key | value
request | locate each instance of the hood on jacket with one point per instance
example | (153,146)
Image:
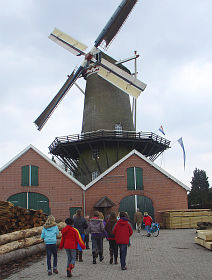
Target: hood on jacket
(50,222)
(95,220)
(67,229)
(122,221)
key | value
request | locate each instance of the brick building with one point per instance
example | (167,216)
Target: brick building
(32,180)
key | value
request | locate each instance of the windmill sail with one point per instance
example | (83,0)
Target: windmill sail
(120,78)
(67,42)
(44,116)
(116,21)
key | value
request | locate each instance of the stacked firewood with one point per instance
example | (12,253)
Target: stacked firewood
(20,244)
(14,218)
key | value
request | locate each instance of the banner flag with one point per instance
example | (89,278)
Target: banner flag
(180,141)
(161,130)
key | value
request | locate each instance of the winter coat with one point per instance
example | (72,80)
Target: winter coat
(138,217)
(109,228)
(122,231)
(80,224)
(147,220)
(96,227)
(49,234)
(70,238)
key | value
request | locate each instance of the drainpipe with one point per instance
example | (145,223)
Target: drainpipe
(83,202)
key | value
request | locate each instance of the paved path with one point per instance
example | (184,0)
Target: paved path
(171,255)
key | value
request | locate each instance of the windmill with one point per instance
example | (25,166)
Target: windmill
(108,132)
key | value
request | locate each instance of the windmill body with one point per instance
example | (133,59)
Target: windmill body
(108,132)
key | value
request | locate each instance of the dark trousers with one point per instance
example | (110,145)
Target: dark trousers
(123,254)
(113,247)
(51,249)
(87,241)
(97,246)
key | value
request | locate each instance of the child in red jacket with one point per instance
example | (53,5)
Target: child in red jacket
(122,231)
(70,239)
(147,221)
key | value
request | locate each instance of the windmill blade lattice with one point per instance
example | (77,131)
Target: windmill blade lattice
(44,116)
(116,21)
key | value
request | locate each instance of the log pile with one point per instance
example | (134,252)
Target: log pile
(22,243)
(204,238)
(174,219)
(14,218)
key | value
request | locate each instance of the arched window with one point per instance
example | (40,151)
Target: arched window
(134,178)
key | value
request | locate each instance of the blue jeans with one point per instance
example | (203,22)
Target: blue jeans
(71,256)
(147,229)
(123,254)
(51,249)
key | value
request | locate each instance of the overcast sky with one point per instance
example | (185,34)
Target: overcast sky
(173,38)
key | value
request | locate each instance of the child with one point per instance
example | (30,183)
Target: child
(70,239)
(96,228)
(113,247)
(147,221)
(49,233)
(122,232)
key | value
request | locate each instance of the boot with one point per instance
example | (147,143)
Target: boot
(94,257)
(115,260)
(77,254)
(101,258)
(68,272)
(80,256)
(111,257)
(71,267)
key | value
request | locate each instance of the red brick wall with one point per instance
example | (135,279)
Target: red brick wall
(62,192)
(164,193)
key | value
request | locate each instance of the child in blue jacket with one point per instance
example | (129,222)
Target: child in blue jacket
(49,234)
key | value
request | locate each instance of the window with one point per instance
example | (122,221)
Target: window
(29,175)
(95,153)
(118,129)
(94,175)
(135,178)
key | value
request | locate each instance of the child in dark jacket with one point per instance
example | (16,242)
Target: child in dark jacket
(122,231)
(113,247)
(70,239)
(49,234)
(80,223)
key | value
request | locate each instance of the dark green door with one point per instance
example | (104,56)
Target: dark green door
(73,211)
(39,201)
(145,205)
(19,199)
(128,204)
(36,201)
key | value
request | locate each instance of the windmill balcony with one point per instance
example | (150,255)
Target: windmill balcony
(147,143)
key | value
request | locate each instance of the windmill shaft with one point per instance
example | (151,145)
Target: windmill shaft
(115,22)
(42,119)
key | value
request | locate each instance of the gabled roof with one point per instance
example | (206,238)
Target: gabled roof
(104,202)
(134,152)
(47,159)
